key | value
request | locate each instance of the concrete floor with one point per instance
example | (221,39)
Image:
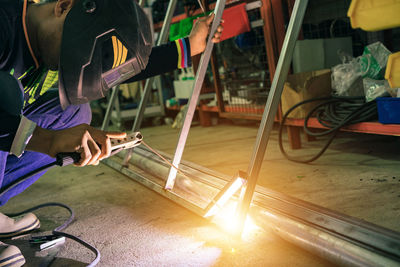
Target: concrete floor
(133,226)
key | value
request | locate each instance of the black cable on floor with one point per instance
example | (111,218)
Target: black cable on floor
(62,160)
(57,231)
(333,113)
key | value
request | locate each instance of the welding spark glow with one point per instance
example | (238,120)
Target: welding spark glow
(220,202)
(227,219)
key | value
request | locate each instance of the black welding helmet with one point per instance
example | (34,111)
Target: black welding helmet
(104,43)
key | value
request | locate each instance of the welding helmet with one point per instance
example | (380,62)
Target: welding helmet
(104,43)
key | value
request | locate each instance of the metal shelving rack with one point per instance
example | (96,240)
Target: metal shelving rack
(314,27)
(314,228)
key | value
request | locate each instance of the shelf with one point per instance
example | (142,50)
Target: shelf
(177,18)
(202,107)
(232,109)
(363,127)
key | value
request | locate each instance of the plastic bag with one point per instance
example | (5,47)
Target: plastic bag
(346,78)
(375,88)
(373,61)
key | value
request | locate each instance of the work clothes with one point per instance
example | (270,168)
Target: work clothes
(40,101)
(47,113)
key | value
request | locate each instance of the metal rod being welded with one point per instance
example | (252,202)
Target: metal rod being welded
(271,108)
(149,82)
(339,238)
(191,107)
(333,248)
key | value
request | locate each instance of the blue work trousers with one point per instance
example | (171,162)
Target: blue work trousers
(47,113)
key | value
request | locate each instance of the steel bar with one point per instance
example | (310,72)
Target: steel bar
(191,107)
(329,246)
(207,184)
(149,82)
(111,102)
(156,187)
(271,108)
(337,237)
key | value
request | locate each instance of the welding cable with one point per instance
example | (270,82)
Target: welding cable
(333,113)
(165,160)
(62,160)
(57,231)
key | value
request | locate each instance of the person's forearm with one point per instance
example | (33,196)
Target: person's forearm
(40,141)
(165,58)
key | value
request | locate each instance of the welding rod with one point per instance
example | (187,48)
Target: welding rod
(201,6)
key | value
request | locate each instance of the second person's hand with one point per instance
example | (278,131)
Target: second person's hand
(199,33)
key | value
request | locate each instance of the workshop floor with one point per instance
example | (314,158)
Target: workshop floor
(132,226)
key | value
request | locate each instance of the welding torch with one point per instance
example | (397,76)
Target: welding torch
(131,140)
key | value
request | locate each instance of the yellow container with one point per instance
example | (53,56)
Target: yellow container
(374,15)
(393,70)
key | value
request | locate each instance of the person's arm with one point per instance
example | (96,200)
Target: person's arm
(92,144)
(18,133)
(177,54)
(166,58)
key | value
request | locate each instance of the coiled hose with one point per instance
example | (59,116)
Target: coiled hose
(333,113)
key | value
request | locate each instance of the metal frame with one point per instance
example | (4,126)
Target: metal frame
(147,88)
(338,237)
(191,107)
(225,194)
(272,21)
(271,107)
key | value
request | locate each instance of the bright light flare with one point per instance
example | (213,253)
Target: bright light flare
(227,219)
(223,197)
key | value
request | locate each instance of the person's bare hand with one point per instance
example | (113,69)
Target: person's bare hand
(92,144)
(199,33)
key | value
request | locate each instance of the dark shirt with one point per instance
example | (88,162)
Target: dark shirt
(16,60)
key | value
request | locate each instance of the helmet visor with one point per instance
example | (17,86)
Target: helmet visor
(102,48)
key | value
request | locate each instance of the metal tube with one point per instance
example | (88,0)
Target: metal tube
(339,238)
(271,108)
(149,82)
(326,245)
(191,107)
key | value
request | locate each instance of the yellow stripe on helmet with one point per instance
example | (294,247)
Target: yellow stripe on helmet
(120,52)
(115,48)
(124,54)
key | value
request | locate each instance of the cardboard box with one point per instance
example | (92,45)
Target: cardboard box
(302,86)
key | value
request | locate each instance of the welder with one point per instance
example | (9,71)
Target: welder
(83,47)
